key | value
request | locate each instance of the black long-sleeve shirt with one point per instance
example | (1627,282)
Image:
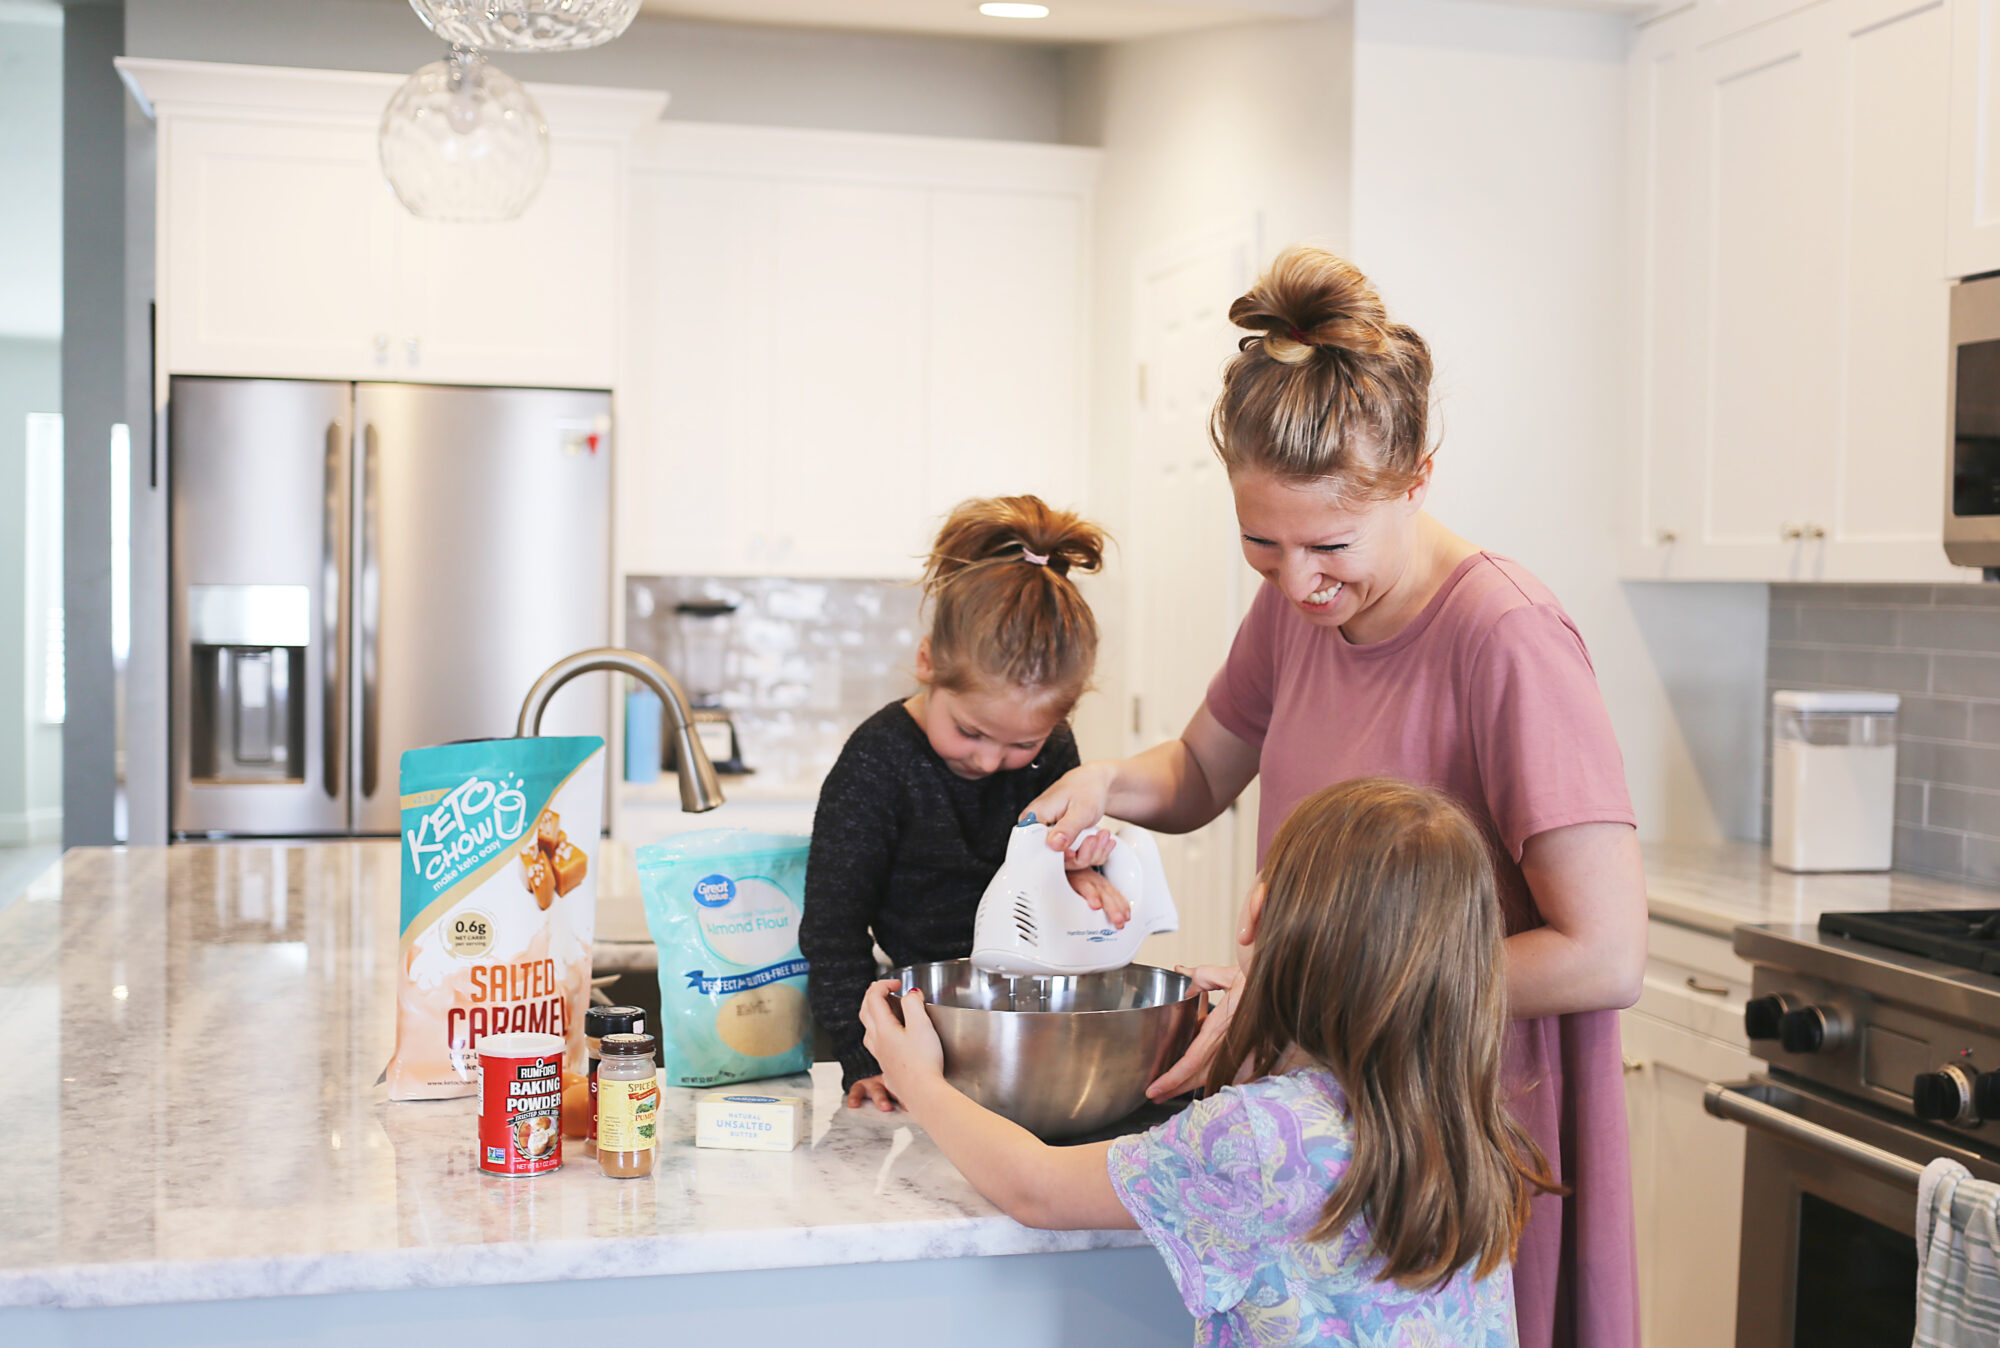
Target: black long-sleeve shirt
(902,848)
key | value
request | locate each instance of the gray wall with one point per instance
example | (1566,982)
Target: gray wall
(93,389)
(1939,646)
(715,72)
(31,173)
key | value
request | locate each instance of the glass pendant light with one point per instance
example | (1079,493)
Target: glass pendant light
(526,25)
(463,141)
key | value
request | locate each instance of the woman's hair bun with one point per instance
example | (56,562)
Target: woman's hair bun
(1312,301)
(1009,528)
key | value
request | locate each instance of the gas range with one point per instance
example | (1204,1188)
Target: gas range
(1898,1009)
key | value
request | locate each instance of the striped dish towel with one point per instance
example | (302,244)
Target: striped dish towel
(1958,1258)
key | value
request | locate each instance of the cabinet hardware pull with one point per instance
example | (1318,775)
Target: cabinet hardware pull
(1790,533)
(1695,985)
(1815,532)
(1666,536)
(1633,1065)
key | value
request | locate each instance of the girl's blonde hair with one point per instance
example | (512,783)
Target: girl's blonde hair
(1004,609)
(1326,386)
(1378,957)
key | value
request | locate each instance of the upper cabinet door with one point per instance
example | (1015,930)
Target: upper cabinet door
(281,239)
(1662,526)
(1881,498)
(1973,233)
(527,301)
(842,348)
(1005,351)
(1771,173)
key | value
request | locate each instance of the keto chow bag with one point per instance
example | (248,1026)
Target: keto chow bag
(724,906)
(499,883)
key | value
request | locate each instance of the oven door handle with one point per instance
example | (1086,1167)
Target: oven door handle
(1731,1102)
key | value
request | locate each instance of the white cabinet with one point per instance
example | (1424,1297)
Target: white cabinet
(1687,1167)
(283,253)
(1789,195)
(1973,237)
(833,338)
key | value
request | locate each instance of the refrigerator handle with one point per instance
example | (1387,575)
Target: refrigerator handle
(333,710)
(371,605)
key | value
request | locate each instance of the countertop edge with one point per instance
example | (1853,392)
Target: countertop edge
(153,1282)
(1691,915)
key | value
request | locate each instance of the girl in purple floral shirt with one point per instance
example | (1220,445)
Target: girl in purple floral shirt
(1352,1176)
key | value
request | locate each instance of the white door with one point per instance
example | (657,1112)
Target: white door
(1771,262)
(1973,234)
(1687,1180)
(282,256)
(527,301)
(1005,360)
(844,335)
(1879,497)
(700,363)
(1187,573)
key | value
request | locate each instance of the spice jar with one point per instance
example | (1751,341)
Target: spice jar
(628,1109)
(599,1021)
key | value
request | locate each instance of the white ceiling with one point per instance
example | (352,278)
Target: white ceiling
(1068,21)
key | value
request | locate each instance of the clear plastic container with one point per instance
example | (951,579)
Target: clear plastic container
(1833,780)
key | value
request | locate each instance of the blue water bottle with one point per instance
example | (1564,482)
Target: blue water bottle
(642,735)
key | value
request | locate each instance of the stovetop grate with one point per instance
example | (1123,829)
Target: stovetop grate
(1968,938)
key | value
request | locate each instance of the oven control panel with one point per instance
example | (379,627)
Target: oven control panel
(1901,1058)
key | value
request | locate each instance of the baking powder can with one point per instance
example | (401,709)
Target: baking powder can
(520,1103)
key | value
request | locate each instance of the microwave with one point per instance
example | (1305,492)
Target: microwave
(1972,455)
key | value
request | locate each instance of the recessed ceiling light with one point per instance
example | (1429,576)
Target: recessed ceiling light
(994,10)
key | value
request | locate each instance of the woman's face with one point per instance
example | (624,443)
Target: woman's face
(1332,558)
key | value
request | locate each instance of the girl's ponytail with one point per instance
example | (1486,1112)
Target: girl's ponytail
(1004,609)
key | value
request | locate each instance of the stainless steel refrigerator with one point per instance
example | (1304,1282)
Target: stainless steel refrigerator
(360,569)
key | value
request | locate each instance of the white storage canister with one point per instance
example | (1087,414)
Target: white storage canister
(1833,780)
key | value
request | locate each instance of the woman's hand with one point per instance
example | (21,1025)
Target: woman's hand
(1192,1069)
(1102,895)
(873,1089)
(1076,802)
(907,1047)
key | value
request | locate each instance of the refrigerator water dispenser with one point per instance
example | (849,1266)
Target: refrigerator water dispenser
(248,662)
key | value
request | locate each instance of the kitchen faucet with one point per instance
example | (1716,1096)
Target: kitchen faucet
(699,788)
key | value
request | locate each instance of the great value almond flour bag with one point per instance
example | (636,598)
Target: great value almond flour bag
(499,868)
(724,906)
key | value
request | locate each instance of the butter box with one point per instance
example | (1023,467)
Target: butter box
(748,1122)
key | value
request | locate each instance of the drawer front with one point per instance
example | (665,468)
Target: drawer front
(1694,980)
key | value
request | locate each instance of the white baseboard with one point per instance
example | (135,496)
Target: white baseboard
(21,827)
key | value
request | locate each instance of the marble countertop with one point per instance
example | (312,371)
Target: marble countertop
(1713,887)
(194,1036)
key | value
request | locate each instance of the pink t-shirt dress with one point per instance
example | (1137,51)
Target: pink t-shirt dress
(1488,695)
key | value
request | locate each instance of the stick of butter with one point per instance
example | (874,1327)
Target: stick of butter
(749,1122)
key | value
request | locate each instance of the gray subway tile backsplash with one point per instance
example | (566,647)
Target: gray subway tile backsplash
(1939,646)
(803,662)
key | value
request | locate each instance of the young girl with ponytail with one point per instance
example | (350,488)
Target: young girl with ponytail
(915,817)
(1353,1177)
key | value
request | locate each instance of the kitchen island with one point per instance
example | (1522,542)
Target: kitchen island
(200,1152)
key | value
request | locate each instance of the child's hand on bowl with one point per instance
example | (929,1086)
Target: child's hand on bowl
(901,1037)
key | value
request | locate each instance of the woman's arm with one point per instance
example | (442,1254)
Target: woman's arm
(1590,887)
(1174,787)
(1056,1188)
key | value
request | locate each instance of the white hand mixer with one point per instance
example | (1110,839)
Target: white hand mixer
(1030,921)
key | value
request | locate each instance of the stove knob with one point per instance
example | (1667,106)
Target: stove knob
(1810,1029)
(1942,1097)
(1986,1095)
(1762,1015)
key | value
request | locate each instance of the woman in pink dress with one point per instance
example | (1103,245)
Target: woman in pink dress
(1382,644)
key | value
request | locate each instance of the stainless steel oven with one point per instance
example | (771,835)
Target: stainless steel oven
(1881,1032)
(1828,1252)
(1972,456)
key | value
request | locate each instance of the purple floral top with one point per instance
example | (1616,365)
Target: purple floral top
(1227,1190)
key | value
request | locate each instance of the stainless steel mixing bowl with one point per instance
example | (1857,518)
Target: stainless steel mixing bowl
(1058,1054)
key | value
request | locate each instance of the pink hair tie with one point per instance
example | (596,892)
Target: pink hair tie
(1035,557)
